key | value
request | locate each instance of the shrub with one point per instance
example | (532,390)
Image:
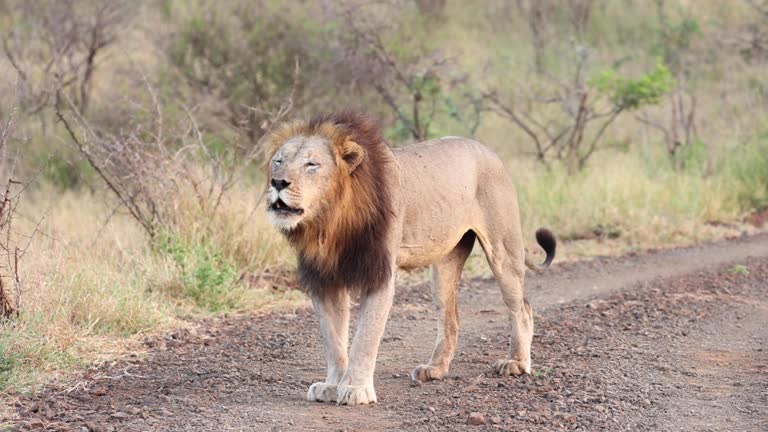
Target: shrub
(205,277)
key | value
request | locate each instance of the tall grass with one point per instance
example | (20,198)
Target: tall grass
(644,201)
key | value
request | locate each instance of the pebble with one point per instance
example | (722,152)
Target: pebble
(476,419)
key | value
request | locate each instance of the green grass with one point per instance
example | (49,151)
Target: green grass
(24,355)
(740,269)
(204,277)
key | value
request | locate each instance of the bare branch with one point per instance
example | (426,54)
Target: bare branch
(129,204)
(510,113)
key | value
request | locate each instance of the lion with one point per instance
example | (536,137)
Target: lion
(356,210)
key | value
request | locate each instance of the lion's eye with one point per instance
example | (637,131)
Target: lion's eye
(311,165)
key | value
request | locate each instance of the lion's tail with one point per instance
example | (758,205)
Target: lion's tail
(546,240)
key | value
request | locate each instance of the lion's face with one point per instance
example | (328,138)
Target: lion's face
(301,177)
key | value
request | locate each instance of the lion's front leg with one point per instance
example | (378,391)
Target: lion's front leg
(332,311)
(356,387)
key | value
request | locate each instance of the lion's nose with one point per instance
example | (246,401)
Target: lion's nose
(280,184)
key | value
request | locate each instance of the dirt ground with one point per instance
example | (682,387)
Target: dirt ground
(674,340)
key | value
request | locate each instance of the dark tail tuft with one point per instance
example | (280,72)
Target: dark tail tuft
(546,240)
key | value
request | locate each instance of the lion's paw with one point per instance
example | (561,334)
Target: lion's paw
(355,395)
(424,373)
(322,392)
(512,367)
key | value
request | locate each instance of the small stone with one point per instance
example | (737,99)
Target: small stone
(120,415)
(93,427)
(431,409)
(495,419)
(476,419)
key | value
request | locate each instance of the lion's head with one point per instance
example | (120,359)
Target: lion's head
(305,173)
(328,195)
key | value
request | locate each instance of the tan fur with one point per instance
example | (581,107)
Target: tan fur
(444,194)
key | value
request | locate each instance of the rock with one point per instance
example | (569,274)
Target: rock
(94,427)
(596,304)
(600,408)
(495,419)
(476,419)
(120,415)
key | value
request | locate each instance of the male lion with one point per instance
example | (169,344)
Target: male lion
(356,210)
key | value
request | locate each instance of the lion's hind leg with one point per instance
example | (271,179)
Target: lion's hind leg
(445,284)
(506,257)
(510,279)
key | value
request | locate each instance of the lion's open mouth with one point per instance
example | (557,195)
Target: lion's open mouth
(281,207)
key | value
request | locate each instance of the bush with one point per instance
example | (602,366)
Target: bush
(748,167)
(243,58)
(205,278)
(65,174)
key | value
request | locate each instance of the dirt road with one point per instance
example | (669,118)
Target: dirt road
(675,340)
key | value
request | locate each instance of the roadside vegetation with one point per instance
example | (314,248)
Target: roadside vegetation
(133,158)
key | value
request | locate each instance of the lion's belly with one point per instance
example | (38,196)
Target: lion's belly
(415,254)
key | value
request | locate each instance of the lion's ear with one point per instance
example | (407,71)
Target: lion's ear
(352,154)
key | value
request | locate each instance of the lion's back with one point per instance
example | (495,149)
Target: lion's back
(452,166)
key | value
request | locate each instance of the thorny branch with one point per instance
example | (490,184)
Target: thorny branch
(12,252)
